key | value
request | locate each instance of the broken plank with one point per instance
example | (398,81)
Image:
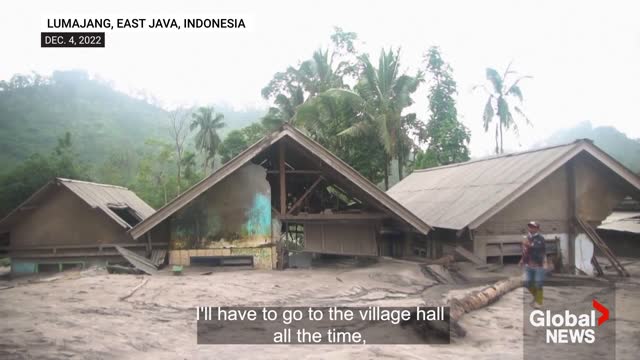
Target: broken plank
(490,267)
(469,255)
(143,283)
(139,262)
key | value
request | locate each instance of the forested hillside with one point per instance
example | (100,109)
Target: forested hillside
(608,138)
(36,110)
(353,103)
(71,125)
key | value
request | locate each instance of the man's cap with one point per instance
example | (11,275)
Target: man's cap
(533,224)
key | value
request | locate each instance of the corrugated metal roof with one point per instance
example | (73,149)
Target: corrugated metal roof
(627,221)
(467,194)
(314,148)
(103,196)
(99,196)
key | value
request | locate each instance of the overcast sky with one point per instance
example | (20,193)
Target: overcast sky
(584,56)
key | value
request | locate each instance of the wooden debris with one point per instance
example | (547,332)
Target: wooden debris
(445,261)
(138,261)
(144,281)
(437,273)
(119,269)
(7,287)
(490,267)
(469,255)
(595,238)
(596,266)
(158,256)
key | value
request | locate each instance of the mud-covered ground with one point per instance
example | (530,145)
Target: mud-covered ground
(83,314)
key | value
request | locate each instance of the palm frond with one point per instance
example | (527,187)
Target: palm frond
(504,114)
(495,79)
(524,116)
(515,90)
(487,116)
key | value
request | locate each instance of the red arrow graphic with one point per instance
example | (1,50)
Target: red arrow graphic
(605,312)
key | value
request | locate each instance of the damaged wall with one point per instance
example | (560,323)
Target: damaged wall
(233,217)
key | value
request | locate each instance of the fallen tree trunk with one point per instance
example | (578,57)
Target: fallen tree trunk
(461,306)
(482,298)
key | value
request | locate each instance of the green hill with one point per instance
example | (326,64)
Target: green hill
(609,139)
(35,111)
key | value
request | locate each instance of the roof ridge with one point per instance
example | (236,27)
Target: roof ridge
(91,183)
(517,153)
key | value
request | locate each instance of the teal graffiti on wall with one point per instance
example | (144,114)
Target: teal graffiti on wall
(259,216)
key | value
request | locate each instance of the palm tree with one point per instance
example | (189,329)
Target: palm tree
(208,122)
(501,93)
(295,86)
(386,93)
(285,108)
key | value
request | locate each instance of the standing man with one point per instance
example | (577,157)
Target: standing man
(534,260)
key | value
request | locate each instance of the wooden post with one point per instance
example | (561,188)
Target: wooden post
(149,247)
(572,212)
(304,196)
(283,185)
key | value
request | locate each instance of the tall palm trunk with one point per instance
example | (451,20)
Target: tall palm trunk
(399,167)
(497,144)
(501,140)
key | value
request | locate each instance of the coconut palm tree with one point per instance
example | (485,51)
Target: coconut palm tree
(292,88)
(385,94)
(208,122)
(503,90)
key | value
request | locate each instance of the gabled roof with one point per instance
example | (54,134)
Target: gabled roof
(467,194)
(98,196)
(244,157)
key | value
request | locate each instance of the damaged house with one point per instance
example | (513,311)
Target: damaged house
(285,194)
(71,223)
(484,205)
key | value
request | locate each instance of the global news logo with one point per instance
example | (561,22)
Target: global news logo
(569,328)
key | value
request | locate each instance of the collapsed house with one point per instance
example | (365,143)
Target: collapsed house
(484,205)
(70,223)
(286,194)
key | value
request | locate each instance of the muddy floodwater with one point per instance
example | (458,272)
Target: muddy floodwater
(94,315)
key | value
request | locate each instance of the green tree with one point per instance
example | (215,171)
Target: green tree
(189,171)
(24,180)
(328,115)
(239,140)
(207,140)
(447,138)
(382,94)
(155,173)
(119,168)
(232,145)
(501,92)
(253,133)
(179,130)
(327,69)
